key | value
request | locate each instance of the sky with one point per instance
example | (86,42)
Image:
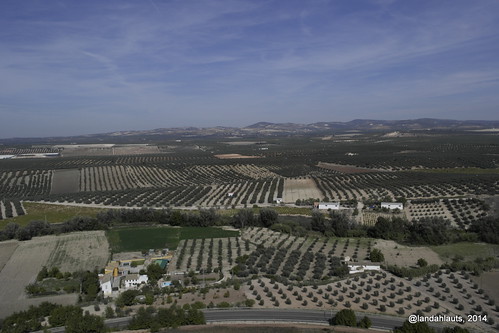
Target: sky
(93,66)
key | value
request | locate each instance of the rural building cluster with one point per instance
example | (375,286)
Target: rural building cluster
(123,274)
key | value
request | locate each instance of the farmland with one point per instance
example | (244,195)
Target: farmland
(469,251)
(49,212)
(79,251)
(144,238)
(446,179)
(192,174)
(65,181)
(305,282)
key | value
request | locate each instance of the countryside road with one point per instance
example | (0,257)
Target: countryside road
(290,315)
(270,316)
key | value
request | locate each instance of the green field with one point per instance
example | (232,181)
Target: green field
(467,250)
(144,238)
(50,213)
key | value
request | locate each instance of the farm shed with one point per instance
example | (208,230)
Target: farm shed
(327,205)
(392,205)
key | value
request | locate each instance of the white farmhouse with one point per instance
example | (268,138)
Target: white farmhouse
(134,280)
(328,205)
(392,205)
(106,284)
(352,269)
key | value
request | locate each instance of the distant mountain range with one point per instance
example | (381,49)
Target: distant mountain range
(262,129)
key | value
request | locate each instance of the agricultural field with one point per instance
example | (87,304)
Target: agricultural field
(295,189)
(404,256)
(107,149)
(381,293)
(209,254)
(78,251)
(460,212)
(191,173)
(26,183)
(468,251)
(307,276)
(50,212)
(65,181)
(11,209)
(144,238)
(443,292)
(305,259)
(339,168)
(370,217)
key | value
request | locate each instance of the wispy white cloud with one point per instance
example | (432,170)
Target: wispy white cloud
(197,62)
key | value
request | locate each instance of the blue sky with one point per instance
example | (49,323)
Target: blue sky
(80,67)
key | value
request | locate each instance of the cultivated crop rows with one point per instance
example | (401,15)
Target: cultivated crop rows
(209,254)
(108,178)
(298,258)
(405,184)
(442,293)
(10,209)
(18,151)
(239,193)
(74,162)
(26,183)
(461,212)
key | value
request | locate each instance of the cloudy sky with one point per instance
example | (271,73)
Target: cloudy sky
(79,67)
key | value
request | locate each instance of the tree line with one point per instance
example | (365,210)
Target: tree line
(425,231)
(71,316)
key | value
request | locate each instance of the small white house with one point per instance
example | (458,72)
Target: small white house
(134,280)
(328,205)
(106,284)
(352,269)
(392,205)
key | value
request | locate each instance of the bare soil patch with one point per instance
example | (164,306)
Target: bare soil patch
(488,282)
(233,156)
(303,188)
(401,255)
(6,250)
(344,168)
(65,181)
(80,251)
